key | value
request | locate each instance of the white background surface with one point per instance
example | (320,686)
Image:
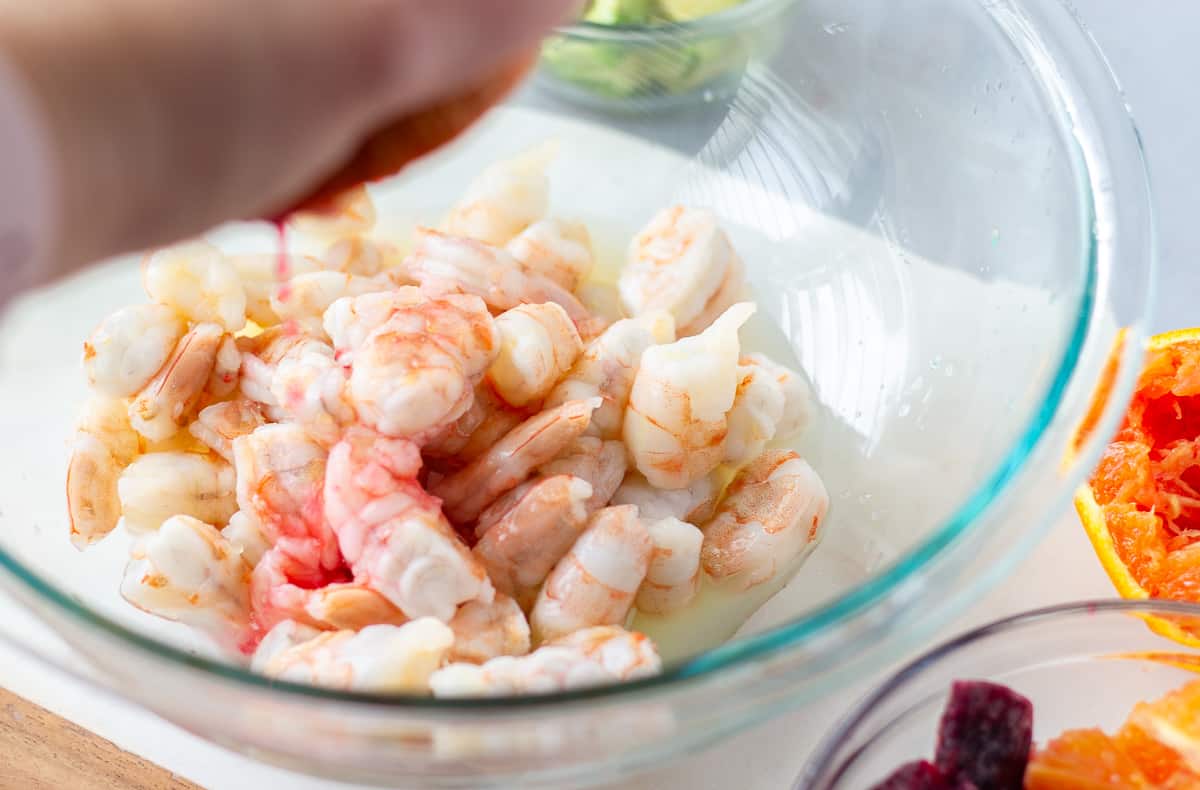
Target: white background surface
(1151,45)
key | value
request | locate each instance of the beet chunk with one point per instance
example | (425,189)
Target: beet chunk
(920,775)
(985,736)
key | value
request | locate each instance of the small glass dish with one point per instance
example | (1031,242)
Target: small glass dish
(1082,665)
(636,68)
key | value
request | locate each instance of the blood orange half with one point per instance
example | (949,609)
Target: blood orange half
(1141,507)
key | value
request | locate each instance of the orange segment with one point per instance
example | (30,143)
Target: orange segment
(1141,507)
(1160,763)
(1174,722)
(1084,760)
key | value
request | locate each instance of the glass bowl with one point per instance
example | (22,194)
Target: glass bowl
(1082,665)
(635,68)
(946,221)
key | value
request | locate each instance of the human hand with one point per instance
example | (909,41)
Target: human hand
(165,117)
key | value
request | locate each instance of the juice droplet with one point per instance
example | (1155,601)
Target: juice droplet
(283,266)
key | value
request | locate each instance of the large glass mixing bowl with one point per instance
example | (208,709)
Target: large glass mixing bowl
(944,212)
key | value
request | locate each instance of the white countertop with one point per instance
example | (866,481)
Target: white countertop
(1154,53)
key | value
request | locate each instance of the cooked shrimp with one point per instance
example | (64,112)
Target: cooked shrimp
(599,463)
(280,480)
(286,635)
(797,396)
(350,321)
(521,548)
(351,607)
(226,369)
(246,535)
(187,572)
(312,388)
(675,424)
(157,486)
(393,534)
(495,512)
(348,213)
(769,521)
(262,275)
(682,262)
(450,264)
(219,424)
(262,356)
(694,504)
(756,413)
(416,374)
(486,631)
(598,579)
(608,368)
(591,657)
(169,401)
(538,344)
(129,347)
(277,596)
(105,443)
(357,256)
(603,302)
(379,658)
(199,282)
(505,199)
(557,250)
(673,578)
(305,298)
(481,426)
(532,443)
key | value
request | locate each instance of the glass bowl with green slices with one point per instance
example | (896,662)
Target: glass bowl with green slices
(639,55)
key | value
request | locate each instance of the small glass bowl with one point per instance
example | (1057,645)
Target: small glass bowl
(1082,665)
(636,68)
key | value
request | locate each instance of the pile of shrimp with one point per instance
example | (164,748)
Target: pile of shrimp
(459,471)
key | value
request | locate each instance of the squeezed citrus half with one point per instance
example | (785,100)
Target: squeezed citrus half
(1141,507)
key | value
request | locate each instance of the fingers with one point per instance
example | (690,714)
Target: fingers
(439,47)
(166,117)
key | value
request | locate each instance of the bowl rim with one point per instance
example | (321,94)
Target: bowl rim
(738,653)
(731,18)
(821,763)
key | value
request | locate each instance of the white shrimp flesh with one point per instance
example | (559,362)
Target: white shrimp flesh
(379,658)
(157,486)
(676,421)
(598,579)
(393,534)
(591,657)
(769,521)
(505,199)
(197,281)
(673,577)
(608,367)
(188,572)
(682,262)
(129,347)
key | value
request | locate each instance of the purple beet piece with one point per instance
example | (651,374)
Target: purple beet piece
(919,775)
(985,736)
